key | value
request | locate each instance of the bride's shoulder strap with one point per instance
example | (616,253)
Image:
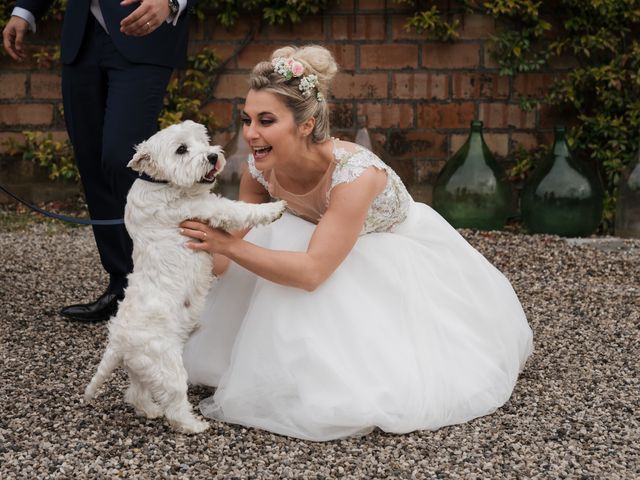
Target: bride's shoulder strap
(350,163)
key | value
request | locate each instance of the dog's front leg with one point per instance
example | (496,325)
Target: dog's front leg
(231,215)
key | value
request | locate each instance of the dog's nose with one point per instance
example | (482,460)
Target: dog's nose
(213,158)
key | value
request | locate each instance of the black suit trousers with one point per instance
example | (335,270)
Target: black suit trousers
(110,105)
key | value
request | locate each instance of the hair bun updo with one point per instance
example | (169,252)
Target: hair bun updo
(315,59)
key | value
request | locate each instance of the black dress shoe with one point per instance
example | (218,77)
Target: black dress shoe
(102,309)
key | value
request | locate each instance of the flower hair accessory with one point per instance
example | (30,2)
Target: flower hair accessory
(290,68)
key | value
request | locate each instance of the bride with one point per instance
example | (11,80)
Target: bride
(359,308)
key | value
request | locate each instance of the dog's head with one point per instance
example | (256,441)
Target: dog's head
(179,154)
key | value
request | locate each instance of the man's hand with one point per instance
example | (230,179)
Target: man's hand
(12,36)
(146,18)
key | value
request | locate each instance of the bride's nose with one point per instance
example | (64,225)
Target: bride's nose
(250,132)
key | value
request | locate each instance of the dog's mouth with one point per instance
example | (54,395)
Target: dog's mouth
(210,176)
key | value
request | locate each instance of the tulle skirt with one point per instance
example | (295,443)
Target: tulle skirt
(414,330)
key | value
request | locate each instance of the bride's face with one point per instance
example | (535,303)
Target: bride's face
(269,129)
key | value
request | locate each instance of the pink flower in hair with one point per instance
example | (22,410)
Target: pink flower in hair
(296,68)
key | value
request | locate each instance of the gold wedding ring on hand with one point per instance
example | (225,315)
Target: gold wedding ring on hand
(148,26)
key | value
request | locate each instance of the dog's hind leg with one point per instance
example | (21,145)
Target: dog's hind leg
(139,396)
(170,390)
(110,361)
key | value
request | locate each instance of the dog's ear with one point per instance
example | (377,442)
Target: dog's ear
(141,159)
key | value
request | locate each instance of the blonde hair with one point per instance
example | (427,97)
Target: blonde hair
(317,61)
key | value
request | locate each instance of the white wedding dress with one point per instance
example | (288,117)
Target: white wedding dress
(414,330)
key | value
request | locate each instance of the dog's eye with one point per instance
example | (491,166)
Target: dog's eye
(182,149)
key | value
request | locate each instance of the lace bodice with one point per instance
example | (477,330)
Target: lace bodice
(387,210)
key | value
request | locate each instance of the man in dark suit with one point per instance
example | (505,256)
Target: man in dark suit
(117,58)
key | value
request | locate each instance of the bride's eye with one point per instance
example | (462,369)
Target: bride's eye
(266,121)
(245,120)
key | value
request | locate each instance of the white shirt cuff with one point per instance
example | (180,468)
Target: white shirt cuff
(174,20)
(26,15)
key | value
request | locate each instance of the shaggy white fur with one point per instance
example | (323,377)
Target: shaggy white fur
(169,282)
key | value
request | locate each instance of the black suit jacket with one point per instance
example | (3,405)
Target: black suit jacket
(166,46)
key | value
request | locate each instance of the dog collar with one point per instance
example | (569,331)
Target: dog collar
(147,178)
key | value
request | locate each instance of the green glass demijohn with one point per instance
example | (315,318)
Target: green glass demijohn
(561,196)
(628,204)
(471,190)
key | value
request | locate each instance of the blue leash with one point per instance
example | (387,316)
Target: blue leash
(64,218)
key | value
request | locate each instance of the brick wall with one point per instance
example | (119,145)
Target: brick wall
(418,96)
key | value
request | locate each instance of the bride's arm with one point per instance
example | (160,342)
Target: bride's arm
(251,191)
(330,243)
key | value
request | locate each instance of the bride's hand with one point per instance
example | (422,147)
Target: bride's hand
(211,240)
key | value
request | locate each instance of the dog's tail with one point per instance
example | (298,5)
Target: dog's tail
(110,361)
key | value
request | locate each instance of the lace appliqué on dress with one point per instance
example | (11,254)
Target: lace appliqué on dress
(257,174)
(391,206)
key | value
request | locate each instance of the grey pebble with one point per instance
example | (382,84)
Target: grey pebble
(574,412)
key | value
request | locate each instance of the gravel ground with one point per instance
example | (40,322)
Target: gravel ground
(574,412)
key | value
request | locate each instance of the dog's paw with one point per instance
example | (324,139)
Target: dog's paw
(89,394)
(191,426)
(274,210)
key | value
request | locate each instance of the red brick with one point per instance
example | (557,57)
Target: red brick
(421,193)
(344,55)
(46,85)
(502,115)
(214,30)
(417,144)
(232,86)
(403,167)
(450,115)
(372,85)
(12,85)
(399,32)
(498,143)
(372,5)
(6,137)
(341,115)
(310,28)
(427,169)
(383,115)
(254,53)
(457,140)
(222,112)
(220,137)
(424,86)
(488,61)
(475,26)
(479,85)
(526,140)
(455,55)
(26,114)
(532,84)
(389,56)
(367,27)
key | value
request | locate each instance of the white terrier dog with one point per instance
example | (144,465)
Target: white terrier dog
(169,282)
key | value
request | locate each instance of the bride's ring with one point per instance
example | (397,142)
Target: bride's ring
(204,235)
(148,26)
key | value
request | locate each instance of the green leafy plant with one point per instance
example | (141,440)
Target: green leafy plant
(274,12)
(189,90)
(56,156)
